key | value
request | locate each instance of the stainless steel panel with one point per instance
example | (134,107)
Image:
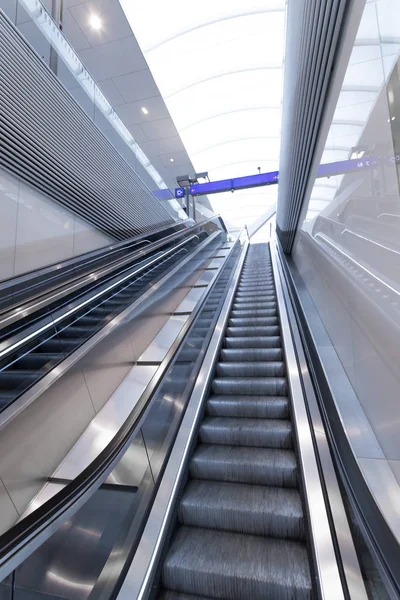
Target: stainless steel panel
(188,304)
(8,512)
(106,366)
(107,423)
(31,446)
(159,347)
(205,278)
(48,491)
(395,466)
(385,489)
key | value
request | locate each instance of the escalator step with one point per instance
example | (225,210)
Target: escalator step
(237,567)
(253,321)
(251,369)
(252,331)
(258,386)
(18,378)
(243,508)
(250,354)
(259,407)
(36,360)
(167,595)
(253,312)
(262,300)
(261,466)
(76,331)
(272,341)
(258,433)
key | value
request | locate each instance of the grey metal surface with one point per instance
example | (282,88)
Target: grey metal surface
(51,143)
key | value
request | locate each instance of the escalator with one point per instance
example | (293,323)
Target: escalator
(211,489)
(19,370)
(242,531)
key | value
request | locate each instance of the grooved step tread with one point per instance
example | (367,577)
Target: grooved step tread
(243,508)
(236,567)
(261,407)
(259,386)
(251,369)
(261,466)
(237,431)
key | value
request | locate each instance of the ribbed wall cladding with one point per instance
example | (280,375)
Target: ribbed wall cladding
(48,140)
(314,29)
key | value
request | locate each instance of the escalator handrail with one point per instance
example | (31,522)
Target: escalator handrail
(66,312)
(42,299)
(27,535)
(86,257)
(390,289)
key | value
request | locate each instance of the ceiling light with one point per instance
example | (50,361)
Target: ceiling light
(95,22)
(393,118)
(171,160)
(144,110)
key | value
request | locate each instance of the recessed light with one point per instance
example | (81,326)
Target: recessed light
(95,22)
(144,110)
(393,118)
(171,160)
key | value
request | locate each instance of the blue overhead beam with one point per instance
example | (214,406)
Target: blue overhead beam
(325,170)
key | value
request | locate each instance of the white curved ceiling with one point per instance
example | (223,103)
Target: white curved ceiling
(218,65)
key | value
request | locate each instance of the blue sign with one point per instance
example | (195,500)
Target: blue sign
(180,192)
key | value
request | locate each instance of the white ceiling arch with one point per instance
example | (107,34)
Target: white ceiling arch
(219,68)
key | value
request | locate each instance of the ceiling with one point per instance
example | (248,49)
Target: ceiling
(114,60)
(219,69)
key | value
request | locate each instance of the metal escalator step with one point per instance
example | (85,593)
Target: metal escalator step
(57,345)
(235,431)
(258,386)
(253,312)
(261,278)
(256,306)
(260,466)
(233,566)
(253,322)
(76,331)
(260,289)
(252,331)
(251,369)
(13,379)
(168,595)
(266,302)
(259,407)
(243,508)
(250,354)
(35,361)
(262,300)
(259,341)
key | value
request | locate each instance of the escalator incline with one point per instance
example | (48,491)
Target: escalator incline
(241,531)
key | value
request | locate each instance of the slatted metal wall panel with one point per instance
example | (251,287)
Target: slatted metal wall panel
(48,140)
(314,29)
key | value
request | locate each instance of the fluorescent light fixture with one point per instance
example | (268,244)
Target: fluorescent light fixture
(95,22)
(219,71)
(144,110)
